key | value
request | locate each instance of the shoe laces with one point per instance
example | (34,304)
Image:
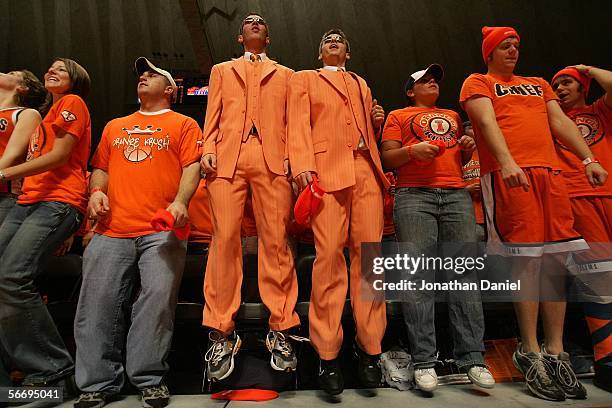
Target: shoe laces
(280,341)
(565,374)
(90,396)
(214,354)
(539,367)
(156,392)
(421,372)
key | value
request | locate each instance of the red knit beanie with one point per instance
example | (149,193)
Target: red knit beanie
(492,36)
(584,80)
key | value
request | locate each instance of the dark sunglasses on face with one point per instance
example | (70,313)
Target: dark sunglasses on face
(251,20)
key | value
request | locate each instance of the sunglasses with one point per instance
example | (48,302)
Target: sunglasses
(251,20)
(334,37)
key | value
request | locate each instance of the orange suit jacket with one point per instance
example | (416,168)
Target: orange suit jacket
(226,114)
(320,137)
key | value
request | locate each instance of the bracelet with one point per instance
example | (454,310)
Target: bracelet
(96,189)
(409,151)
(2,176)
(589,160)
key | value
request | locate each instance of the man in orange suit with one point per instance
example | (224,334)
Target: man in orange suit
(244,148)
(331,134)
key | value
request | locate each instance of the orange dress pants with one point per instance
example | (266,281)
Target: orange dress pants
(346,217)
(272,203)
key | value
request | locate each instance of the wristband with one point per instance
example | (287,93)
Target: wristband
(96,189)
(409,151)
(589,160)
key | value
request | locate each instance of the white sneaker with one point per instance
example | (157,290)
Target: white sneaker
(481,376)
(426,379)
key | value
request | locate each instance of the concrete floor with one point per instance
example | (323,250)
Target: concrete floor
(458,396)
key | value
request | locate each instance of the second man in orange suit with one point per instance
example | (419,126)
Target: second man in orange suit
(244,149)
(331,134)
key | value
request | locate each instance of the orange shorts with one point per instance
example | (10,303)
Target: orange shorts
(529,223)
(593,219)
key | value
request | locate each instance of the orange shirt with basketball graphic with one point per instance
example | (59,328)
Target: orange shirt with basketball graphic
(66,183)
(413,125)
(595,123)
(144,155)
(520,111)
(471,175)
(8,120)
(199,215)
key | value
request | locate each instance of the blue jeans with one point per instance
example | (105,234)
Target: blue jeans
(28,335)
(425,218)
(112,269)
(7,202)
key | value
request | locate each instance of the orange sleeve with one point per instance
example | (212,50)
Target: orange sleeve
(102,155)
(299,136)
(549,94)
(392,129)
(190,150)
(72,116)
(213,112)
(475,85)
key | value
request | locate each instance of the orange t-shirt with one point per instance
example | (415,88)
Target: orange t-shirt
(520,110)
(413,125)
(66,183)
(144,156)
(471,175)
(8,120)
(595,124)
(199,215)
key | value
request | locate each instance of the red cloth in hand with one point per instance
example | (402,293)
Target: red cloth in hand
(308,202)
(163,220)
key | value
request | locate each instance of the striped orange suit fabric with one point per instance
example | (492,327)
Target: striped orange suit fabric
(322,138)
(243,94)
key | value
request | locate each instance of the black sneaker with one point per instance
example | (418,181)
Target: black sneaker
(368,368)
(564,375)
(538,375)
(330,377)
(220,355)
(91,400)
(155,397)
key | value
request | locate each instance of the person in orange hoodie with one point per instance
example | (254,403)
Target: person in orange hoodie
(245,150)
(332,129)
(528,213)
(592,206)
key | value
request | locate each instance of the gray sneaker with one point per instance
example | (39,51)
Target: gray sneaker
(155,397)
(282,352)
(564,374)
(220,355)
(538,375)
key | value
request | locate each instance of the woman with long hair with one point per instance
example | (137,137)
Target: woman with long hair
(50,208)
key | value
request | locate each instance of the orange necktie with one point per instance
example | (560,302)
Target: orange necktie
(255,57)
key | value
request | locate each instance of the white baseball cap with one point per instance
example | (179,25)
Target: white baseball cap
(142,65)
(434,69)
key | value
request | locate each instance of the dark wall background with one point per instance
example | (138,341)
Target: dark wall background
(389,38)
